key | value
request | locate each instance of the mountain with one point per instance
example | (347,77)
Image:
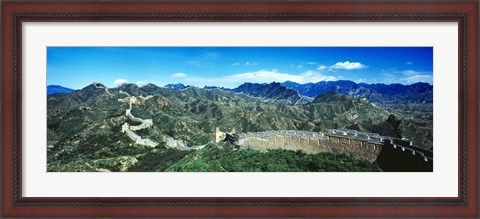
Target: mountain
(329,97)
(215,87)
(57,89)
(178,86)
(84,127)
(377,93)
(273,91)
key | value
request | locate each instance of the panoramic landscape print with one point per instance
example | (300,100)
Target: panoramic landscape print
(239,109)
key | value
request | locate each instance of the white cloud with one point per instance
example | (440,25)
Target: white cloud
(262,76)
(417,78)
(179,75)
(266,76)
(347,65)
(141,83)
(248,63)
(120,81)
(410,72)
(408,63)
(413,76)
(299,66)
(322,68)
(210,55)
(311,63)
(203,59)
(407,77)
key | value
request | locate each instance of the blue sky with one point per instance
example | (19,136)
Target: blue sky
(77,67)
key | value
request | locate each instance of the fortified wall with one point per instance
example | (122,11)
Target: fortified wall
(360,144)
(138,140)
(144,123)
(310,142)
(365,145)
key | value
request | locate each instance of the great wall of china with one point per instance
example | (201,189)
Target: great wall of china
(127,128)
(146,123)
(101,86)
(368,146)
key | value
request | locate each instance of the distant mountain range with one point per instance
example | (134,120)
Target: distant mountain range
(378,93)
(54,89)
(178,86)
(294,93)
(274,91)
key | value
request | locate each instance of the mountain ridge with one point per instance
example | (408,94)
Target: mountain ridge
(275,91)
(379,93)
(57,89)
(295,93)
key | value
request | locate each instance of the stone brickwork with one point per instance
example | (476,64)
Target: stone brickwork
(364,145)
(403,145)
(312,142)
(357,147)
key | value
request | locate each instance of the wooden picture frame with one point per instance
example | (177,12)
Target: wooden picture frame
(465,13)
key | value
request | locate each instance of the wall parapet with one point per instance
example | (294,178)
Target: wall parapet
(267,134)
(362,144)
(387,141)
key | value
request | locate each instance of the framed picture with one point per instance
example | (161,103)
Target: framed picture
(239,109)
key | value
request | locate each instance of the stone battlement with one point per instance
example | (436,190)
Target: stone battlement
(267,134)
(387,141)
(360,144)
(308,142)
(138,140)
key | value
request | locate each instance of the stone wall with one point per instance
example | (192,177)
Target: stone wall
(139,140)
(145,123)
(287,142)
(364,145)
(359,148)
(311,142)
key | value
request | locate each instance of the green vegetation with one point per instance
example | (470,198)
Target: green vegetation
(158,160)
(211,159)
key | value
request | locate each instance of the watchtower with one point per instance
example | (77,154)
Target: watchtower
(219,135)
